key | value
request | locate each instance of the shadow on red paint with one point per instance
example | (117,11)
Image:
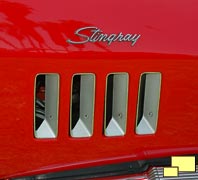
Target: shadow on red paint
(17,26)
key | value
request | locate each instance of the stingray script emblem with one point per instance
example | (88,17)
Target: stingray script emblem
(97,35)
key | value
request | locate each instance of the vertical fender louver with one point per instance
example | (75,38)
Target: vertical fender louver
(82,105)
(148,103)
(116,104)
(46,105)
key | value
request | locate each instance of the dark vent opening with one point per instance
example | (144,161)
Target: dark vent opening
(75,100)
(109,99)
(40,100)
(141,98)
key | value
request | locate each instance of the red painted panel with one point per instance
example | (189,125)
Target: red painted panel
(33,38)
(44,26)
(176,133)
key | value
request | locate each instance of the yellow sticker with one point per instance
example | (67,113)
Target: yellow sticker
(184,163)
(170,171)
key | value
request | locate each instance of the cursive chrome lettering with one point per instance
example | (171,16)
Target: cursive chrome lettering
(96,35)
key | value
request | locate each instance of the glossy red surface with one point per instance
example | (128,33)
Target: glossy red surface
(33,38)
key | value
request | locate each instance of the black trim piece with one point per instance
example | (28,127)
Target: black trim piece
(104,171)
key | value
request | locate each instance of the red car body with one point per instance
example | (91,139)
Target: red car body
(33,39)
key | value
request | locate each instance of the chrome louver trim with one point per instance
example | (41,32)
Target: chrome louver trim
(82,124)
(46,110)
(116,104)
(148,103)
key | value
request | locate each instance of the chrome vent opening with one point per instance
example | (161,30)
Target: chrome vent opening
(148,103)
(82,105)
(46,105)
(116,104)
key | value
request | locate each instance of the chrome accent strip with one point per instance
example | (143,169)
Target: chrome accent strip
(157,173)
